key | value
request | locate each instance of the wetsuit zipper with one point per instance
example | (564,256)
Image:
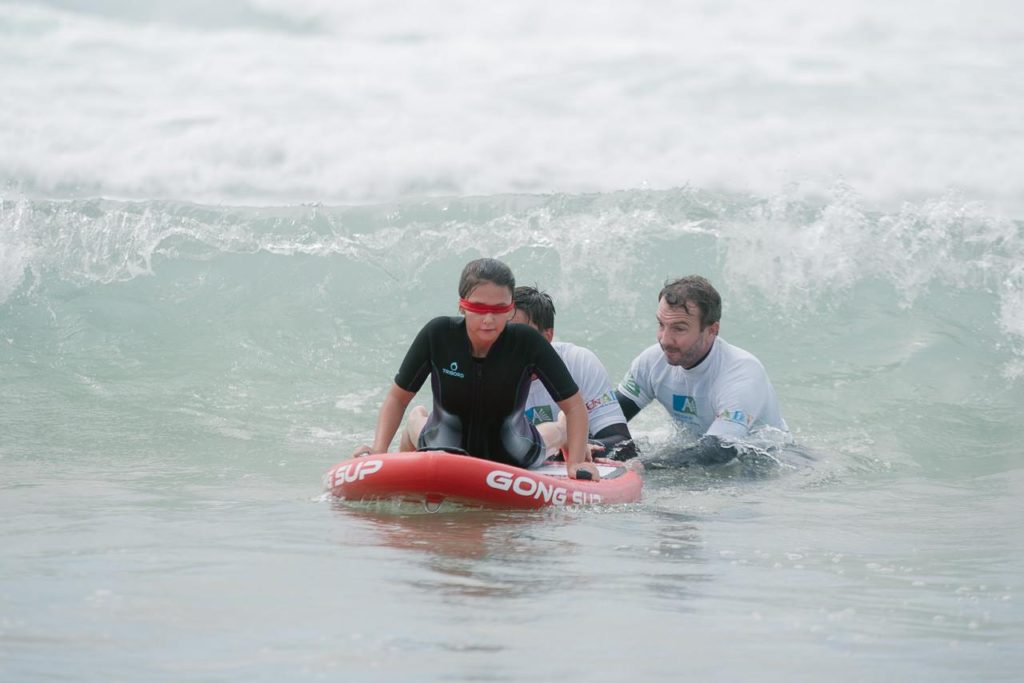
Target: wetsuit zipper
(478,376)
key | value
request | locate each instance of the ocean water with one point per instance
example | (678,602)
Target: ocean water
(222,223)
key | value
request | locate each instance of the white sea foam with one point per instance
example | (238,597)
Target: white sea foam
(277,101)
(794,256)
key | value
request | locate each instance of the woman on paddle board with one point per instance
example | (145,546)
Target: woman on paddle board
(480,370)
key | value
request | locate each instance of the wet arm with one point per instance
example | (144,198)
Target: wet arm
(390,419)
(709,450)
(617,441)
(576,436)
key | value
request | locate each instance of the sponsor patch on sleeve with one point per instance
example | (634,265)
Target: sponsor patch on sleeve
(630,386)
(604,399)
(737,416)
(538,414)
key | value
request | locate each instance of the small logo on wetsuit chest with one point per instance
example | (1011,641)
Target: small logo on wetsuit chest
(453,370)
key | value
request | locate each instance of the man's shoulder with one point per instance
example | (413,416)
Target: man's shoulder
(650,358)
(574,353)
(583,364)
(648,369)
(526,333)
(738,358)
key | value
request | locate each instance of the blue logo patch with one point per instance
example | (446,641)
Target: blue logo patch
(687,405)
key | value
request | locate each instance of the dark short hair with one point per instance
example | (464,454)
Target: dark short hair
(537,305)
(485,270)
(696,290)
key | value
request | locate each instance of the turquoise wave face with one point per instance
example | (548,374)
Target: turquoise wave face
(268,328)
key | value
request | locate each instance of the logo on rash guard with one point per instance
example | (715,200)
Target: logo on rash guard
(453,370)
(687,405)
(737,416)
(539,414)
(604,399)
(631,386)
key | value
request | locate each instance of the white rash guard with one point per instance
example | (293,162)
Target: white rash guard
(595,389)
(728,394)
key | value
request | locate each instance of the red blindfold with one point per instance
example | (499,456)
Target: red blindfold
(484,309)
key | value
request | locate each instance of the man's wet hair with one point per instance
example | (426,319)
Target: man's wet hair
(537,306)
(696,290)
(485,270)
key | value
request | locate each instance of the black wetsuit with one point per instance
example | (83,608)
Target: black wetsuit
(479,402)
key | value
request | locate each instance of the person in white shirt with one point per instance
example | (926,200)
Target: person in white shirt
(716,391)
(607,424)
